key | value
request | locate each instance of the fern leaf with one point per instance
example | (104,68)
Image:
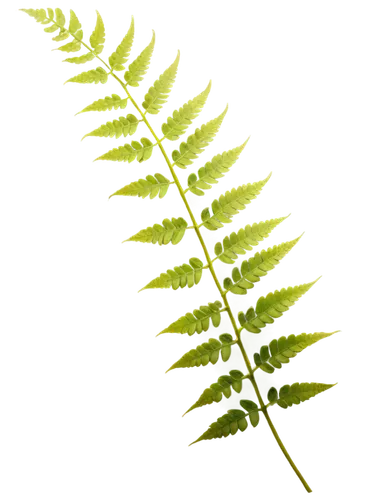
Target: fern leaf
(97,37)
(129,152)
(74,46)
(116,128)
(157,94)
(180,276)
(93,76)
(106,104)
(272,306)
(229,204)
(63,35)
(281,350)
(60,18)
(138,68)
(256,267)
(39,15)
(177,124)
(74,24)
(121,55)
(172,231)
(197,321)
(297,393)
(238,243)
(197,142)
(223,385)
(152,186)
(208,352)
(213,170)
(80,59)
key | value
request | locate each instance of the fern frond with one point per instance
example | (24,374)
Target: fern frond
(60,18)
(256,267)
(238,243)
(80,59)
(106,104)
(281,350)
(213,170)
(157,94)
(296,393)
(93,76)
(129,152)
(39,15)
(74,24)
(116,128)
(172,231)
(138,68)
(74,46)
(229,204)
(197,321)
(272,306)
(152,186)
(180,276)
(208,352)
(97,37)
(197,142)
(177,124)
(121,55)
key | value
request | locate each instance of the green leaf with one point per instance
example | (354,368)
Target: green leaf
(63,35)
(177,124)
(208,352)
(213,170)
(281,350)
(97,37)
(119,58)
(80,59)
(223,386)
(116,128)
(226,425)
(138,68)
(238,243)
(300,392)
(172,231)
(106,104)
(74,24)
(39,15)
(93,76)
(252,409)
(60,18)
(198,321)
(74,46)
(197,142)
(157,94)
(272,306)
(152,186)
(229,204)
(179,277)
(52,28)
(129,152)
(256,267)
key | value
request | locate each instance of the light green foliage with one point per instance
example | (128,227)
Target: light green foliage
(172,231)
(177,124)
(74,46)
(229,204)
(106,104)
(281,350)
(238,243)
(81,59)
(256,267)
(93,76)
(152,186)
(116,128)
(39,15)
(129,152)
(197,321)
(179,276)
(138,68)
(297,393)
(208,352)
(74,24)
(119,58)
(272,306)
(197,142)
(213,170)
(97,37)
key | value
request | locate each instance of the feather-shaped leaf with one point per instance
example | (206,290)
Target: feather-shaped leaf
(152,186)
(74,24)
(256,267)
(177,124)
(129,152)
(272,306)
(197,142)
(158,93)
(213,170)
(223,385)
(229,204)
(74,46)
(208,352)
(281,350)
(60,18)
(172,231)
(63,35)
(106,104)
(97,37)
(138,68)
(179,276)
(297,393)
(81,59)
(39,15)
(116,128)
(93,76)
(238,243)
(197,321)
(121,55)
